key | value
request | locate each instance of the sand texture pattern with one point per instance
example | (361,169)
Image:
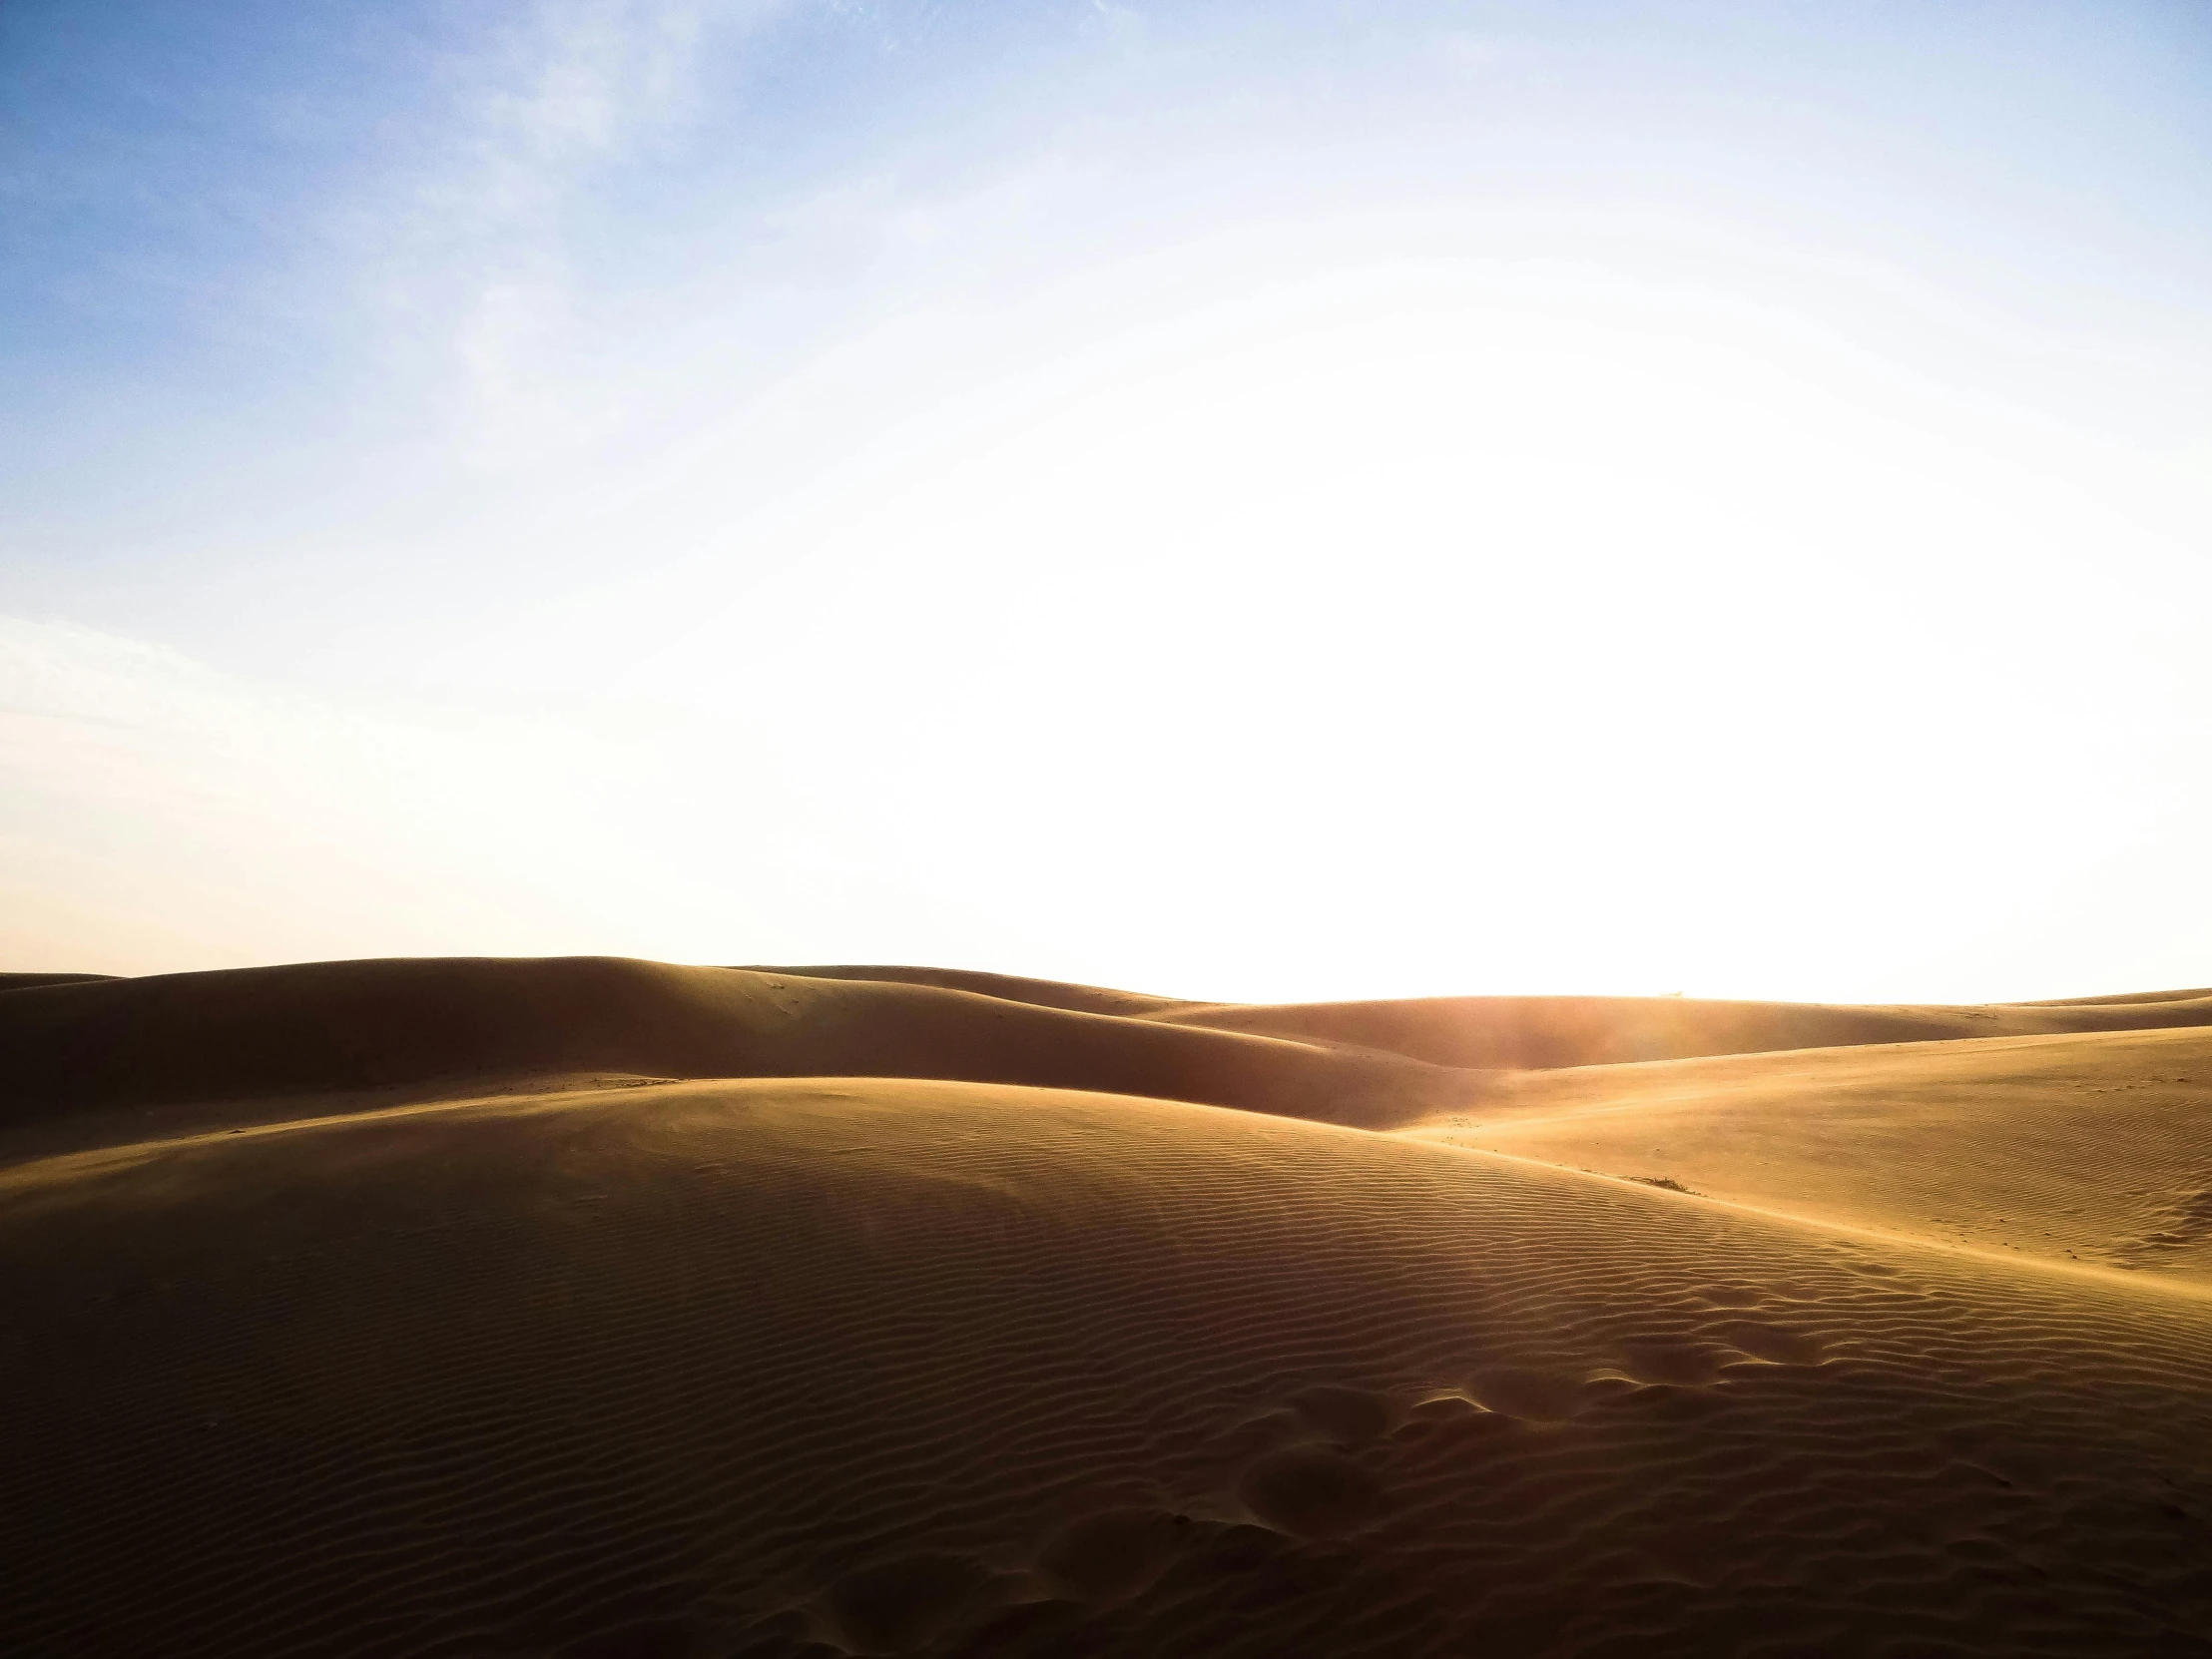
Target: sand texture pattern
(615,1310)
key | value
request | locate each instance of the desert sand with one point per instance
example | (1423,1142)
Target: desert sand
(612,1310)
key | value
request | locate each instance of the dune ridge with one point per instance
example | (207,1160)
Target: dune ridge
(76,1041)
(31,981)
(549,1350)
(1518,1033)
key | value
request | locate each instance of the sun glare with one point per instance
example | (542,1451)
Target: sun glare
(1537,550)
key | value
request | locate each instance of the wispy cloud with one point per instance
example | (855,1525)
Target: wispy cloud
(470,244)
(575,84)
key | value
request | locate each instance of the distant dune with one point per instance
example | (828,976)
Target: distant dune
(612,1310)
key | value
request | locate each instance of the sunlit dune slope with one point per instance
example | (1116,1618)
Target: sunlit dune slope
(358,1025)
(1515,1033)
(782,1368)
(2090,1149)
(2119,998)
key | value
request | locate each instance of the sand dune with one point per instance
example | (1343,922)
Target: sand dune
(28,982)
(2095,1150)
(356,1025)
(1539,1032)
(1025,1350)
(1043,993)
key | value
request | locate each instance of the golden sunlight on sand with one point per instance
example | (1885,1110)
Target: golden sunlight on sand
(612,1310)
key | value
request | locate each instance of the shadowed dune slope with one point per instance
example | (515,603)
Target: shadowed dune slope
(1524,1032)
(816,1367)
(358,1025)
(2094,1149)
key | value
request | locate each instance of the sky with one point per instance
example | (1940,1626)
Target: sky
(1254,501)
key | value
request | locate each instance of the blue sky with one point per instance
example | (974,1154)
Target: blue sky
(1267,500)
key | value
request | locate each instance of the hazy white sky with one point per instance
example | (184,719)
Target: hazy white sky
(1260,501)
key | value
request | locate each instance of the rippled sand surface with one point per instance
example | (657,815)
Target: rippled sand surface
(615,1310)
